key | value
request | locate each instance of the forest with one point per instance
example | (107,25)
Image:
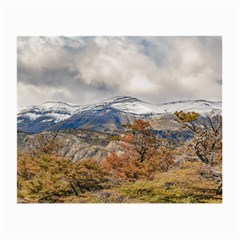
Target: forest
(142,167)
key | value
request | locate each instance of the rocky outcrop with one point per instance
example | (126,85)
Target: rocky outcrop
(74,144)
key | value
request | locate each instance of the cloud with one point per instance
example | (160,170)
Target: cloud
(88,69)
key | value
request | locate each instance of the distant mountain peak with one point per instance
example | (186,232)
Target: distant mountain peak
(104,114)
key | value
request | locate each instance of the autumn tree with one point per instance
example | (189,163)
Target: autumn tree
(88,175)
(207,141)
(44,175)
(141,139)
(48,178)
(138,153)
(123,167)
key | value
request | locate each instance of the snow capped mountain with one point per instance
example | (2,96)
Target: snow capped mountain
(135,106)
(105,115)
(56,111)
(199,106)
(38,118)
(128,105)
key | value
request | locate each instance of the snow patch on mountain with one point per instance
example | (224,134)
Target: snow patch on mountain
(135,106)
(200,106)
(50,113)
(57,111)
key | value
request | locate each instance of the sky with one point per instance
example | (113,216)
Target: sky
(84,70)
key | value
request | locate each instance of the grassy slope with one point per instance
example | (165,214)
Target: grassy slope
(184,185)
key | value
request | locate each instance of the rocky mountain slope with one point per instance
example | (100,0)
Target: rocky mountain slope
(78,144)
(74,144)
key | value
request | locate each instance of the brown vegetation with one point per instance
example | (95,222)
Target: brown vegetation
(142,168)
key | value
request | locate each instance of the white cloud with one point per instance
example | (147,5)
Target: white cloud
(31,95)
(87,69)
(140,83)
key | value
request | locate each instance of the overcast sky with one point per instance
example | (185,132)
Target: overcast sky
(85,70)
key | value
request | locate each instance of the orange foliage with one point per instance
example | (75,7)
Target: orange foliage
(126,167)
(122,166)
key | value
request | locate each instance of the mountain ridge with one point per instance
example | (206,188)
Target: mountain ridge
(116,98)
(105,115)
